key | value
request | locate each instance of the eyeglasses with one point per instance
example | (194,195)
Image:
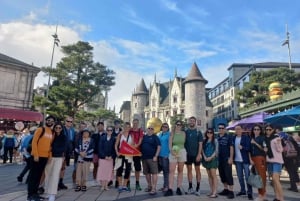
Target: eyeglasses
(221,128)
(58,128)
(268,129)
(178,124)
(151,128)
(108,130)
(69,121)
(256,129)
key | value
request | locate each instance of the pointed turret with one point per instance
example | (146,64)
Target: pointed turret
(141,88)
(195,75)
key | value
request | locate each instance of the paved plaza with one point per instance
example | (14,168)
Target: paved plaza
(11,190)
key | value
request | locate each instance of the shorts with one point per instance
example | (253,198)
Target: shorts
(192,159)
(150,166)
(137,163)
(181,156)
(274,168)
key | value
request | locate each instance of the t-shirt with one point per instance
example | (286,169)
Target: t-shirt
(178,140)
(193,137)
(225,142)
(137,135)
(149,146)
(237,152)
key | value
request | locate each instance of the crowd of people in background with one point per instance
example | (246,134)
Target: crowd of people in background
(47,151)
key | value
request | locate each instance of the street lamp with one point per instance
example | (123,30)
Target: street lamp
(55,43)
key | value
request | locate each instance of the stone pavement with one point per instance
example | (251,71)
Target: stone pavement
(11,190)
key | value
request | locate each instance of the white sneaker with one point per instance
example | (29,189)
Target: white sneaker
(51,197)
(191,191)
(197,192)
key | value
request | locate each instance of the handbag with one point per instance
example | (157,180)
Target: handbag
(255,180)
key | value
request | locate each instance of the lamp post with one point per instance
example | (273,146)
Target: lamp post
(287,42)
(55,43)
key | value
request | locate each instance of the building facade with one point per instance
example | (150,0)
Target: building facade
(223,94)
(180,96)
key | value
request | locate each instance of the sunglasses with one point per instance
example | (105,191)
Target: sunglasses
(256,129)
(165,126)
(69,121)
(58,128)
(109,130)
(178,124)
(151,128)
(221,128)
(50,121)
(268,129)
(209,132)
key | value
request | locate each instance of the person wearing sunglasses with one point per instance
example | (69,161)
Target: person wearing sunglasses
(210,161)
(107,154)
(258,158)
(163,158)
(225,161)
(274,151)
(177,157)
(53,167)
(150,148)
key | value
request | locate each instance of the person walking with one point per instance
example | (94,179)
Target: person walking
(9,142)
(163,158)
(210,161)
(225,161)
(107,154)
(193,146)
(258,158)
(54,164)
(150,149)
(241,146)
(41,151)
(177,158)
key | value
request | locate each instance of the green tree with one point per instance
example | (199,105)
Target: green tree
(77,79)
(256,90)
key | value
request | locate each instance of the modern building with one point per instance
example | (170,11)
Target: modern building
(223,94)
(180,96)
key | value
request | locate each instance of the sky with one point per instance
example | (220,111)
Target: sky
(143,39)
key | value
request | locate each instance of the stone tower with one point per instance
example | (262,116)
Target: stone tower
(139,101)
(195,96)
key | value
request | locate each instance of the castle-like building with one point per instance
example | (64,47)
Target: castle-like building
(180,96)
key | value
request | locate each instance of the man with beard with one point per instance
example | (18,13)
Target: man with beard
(41,150)
(193,146)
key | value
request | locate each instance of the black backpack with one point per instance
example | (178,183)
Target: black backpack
(29,147)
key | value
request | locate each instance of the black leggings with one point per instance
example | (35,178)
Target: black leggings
(127,168)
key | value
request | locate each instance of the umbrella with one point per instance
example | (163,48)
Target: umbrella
(249,122)
(287,118)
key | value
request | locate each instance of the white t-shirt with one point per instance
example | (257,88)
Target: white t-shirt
(237,154)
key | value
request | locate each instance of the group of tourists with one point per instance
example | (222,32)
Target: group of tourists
(48,150)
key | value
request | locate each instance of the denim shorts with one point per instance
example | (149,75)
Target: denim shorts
(274,168)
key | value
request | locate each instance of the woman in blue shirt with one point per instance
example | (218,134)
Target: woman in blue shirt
(163,159)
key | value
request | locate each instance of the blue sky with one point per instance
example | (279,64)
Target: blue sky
(139,38)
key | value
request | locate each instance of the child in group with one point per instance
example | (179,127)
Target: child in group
(84,149)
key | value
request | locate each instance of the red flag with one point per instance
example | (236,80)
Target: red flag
(128,150)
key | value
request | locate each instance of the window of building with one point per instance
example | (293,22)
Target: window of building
(182,111)
(153,113)
(175,112)
(135,105)
(167,113)
(153,102)
(175,99)
(206,113)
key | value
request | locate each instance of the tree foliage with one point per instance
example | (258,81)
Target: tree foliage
(77,79)
(256,91)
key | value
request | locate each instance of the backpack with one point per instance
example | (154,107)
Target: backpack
(289,149)
(29,146)
(9,142)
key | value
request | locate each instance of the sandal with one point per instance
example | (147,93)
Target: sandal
(213,196)
(148,189)
(78,188)
(153,192)
(83,188)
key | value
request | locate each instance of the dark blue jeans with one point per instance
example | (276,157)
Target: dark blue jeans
(243,172)
(163,163)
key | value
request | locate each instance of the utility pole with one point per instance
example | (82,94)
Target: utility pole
(287,42)
(55,43)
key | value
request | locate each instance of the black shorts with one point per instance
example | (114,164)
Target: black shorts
(192,159)
(137,163)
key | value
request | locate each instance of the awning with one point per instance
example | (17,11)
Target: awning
(21,115)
